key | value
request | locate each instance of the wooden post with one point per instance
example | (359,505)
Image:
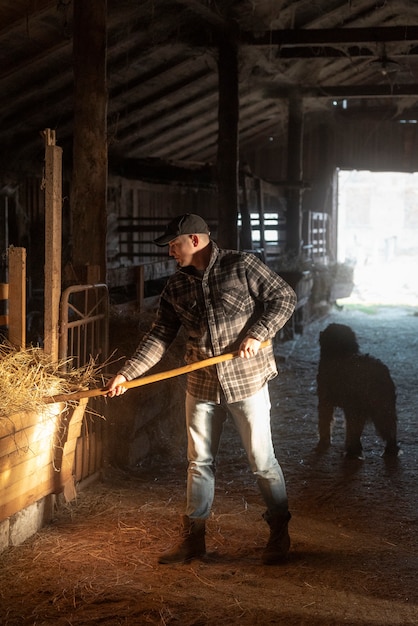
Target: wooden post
(245,238)
(140,284)
(89,178)
(294,174)
(4,305)
(260,202)
(17,296)
(227,157)
(92,274)
(53,230)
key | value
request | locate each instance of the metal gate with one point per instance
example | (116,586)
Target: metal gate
(84,334)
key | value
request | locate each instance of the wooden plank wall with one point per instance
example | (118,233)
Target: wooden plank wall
(89,449)
(37,452)
(138,211)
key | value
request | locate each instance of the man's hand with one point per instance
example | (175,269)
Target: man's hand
(249,348)
(115,387)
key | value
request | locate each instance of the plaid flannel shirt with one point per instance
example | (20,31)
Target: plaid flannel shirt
(237,296)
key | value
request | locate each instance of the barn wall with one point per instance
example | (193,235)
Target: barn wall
(334,140)
(338,141)
(139,210)
(23,225)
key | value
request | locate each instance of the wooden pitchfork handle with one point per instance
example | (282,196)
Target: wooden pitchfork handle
(152,378)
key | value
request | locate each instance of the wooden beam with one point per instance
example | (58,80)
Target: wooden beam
(17,296)
(350,91)
(89,176)
(53,230)
(245,236)
(227,153)
(347,52)
(294,172)
(323,36)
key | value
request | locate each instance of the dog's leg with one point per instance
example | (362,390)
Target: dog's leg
(386,426)
(325,421)
(354,426)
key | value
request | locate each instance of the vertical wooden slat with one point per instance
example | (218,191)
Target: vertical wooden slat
(4,305)
(17,296)
(78,462)
(260,203)
(53,229)
(140,285)
(246,240)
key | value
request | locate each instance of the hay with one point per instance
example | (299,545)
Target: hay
(29,375)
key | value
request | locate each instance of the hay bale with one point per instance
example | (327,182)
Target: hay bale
(30,375)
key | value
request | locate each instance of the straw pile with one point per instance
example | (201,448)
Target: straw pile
(29,375)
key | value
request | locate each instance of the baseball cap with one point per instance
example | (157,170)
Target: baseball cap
(186,224)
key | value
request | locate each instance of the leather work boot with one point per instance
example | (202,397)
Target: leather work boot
(278,545)
(192,542)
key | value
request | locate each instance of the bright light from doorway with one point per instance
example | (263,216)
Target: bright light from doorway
(378,234)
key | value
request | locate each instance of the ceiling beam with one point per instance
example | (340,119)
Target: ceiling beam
(323,36)
(349,91)
(328,52)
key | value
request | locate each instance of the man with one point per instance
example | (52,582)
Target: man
(226,301)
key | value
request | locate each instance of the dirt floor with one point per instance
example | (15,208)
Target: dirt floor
(354,553)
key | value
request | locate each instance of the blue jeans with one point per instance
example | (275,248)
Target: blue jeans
(204,428)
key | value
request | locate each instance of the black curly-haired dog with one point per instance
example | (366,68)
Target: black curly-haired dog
(360,385)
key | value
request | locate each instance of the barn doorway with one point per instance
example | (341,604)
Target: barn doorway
(378,235)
